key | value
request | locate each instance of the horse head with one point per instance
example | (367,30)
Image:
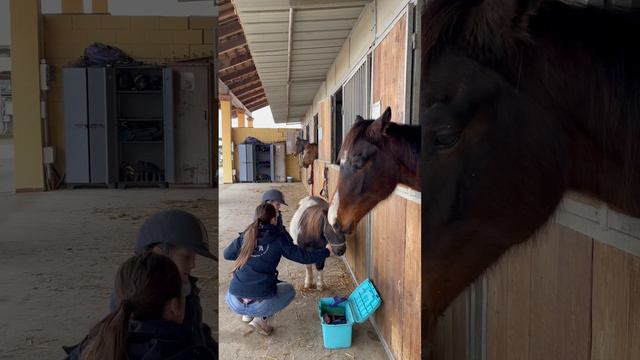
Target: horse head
(335,239)
(310,154)
(300,144)
(375,157)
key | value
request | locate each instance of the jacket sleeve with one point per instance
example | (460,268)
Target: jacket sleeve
(232,251)
(294,253)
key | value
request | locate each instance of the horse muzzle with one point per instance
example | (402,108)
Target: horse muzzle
(344,230)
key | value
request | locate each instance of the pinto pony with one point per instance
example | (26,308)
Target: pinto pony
(310,229)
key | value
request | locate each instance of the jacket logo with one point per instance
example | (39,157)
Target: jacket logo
(260,250)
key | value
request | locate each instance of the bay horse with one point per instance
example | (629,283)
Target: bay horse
(310,229)
(300,144)
(309,153)
(520,102)
(375,156)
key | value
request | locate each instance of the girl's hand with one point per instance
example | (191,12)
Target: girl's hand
(330,249)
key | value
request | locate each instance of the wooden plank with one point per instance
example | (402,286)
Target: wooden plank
(610,311)
(229,62)
(233,43)
(561,294)
(389,71)
(411,307)
(517,329)
(387,270)
(509,305)
(459,327)
(497,290)
(443,342)
(238,73)
(324,117)
(634,308)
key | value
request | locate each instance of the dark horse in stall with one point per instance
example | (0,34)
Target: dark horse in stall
(310,229)
(520,102)
(375,156)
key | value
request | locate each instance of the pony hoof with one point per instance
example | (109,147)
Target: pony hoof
(309,285)
(321,286)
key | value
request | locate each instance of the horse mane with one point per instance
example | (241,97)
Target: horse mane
(496,32)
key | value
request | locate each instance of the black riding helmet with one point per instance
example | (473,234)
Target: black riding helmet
(176,227)
(273,195)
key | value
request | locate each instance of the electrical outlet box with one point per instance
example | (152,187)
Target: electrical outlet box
(49,154)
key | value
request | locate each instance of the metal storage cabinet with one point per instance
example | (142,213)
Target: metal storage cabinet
(145,127)
(89,126)
(246,153)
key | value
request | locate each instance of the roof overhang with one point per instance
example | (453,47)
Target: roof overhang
(294,43)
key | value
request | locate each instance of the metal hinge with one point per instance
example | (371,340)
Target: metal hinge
(413,41)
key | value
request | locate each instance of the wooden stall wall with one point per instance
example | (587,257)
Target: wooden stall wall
(389,71)
(565,294)
(324,130)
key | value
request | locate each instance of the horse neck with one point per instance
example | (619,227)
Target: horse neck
(403,144)
(592,88)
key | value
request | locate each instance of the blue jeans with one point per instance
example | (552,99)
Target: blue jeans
(263,308)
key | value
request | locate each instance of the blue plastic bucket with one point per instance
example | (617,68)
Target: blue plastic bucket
(362,302)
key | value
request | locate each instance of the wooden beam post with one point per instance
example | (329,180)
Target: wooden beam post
(240,115)
(250,122)
(227,161)
(25,77)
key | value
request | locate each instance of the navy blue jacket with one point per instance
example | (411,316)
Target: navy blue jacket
(159,339)
(258,278)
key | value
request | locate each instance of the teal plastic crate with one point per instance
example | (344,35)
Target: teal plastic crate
(361,304)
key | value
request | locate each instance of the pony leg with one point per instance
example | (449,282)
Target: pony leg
(320,280)
(308,279)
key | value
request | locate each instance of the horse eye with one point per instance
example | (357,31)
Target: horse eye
(357,162)
(447,138)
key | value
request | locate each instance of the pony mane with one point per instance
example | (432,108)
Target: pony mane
(308,218)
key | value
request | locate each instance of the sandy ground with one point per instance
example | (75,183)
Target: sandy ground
(58,255)
(297,332)
(6,165)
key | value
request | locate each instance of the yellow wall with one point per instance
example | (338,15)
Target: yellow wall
(238,135)
(152,39)
(25,55)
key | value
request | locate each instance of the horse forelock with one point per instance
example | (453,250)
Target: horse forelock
(358,130)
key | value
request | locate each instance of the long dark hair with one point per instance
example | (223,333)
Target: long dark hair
(145,283)
(264,214)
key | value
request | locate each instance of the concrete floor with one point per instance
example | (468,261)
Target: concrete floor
(6,165)
(297,332)
(59,252)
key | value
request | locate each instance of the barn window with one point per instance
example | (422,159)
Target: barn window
(356,96)
(336,128)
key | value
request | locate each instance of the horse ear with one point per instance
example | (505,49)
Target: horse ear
(359,118)
(379,127)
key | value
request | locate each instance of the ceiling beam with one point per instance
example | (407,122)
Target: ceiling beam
(234,83)
(230,28)
(237,88)
(259,105)
(250,99)
(238,73)
(234,43)
(252,92)
(229,62)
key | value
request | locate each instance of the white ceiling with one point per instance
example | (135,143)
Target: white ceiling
(318,32)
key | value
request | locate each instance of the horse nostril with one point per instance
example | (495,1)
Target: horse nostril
(336,227)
